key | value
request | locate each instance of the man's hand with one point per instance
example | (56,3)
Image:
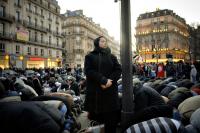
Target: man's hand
(108,84)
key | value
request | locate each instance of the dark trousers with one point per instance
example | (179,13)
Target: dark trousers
(109,119)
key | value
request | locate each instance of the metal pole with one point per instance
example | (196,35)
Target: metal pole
(126,57)
(157,53)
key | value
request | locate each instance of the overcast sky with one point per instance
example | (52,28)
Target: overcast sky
(106,12)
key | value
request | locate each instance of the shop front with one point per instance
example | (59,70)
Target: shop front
(4,61)
(53,62)
(36,62)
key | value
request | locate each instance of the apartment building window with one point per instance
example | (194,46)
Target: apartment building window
(166,26)
(57,41)
(2,11)
(2,48)
(42,23)
(17,16)
(77,29)
(41,12)
(42,52)
(35,21)
(17,2)
(2,28)
(29,20)
(49,16)
(29,34)
(57,54)
(78,57)
(29,6)
(17,49)
(57,30)
(49,39)
(36,51)
(29,50)
(41,2)
(50,53)
(35,9)
(78,38)
(50,27)
(41,38)
(49,5)
(36,36)
(153,47)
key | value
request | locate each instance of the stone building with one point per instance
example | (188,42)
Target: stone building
(160,35)
(30,33)
(194,41)
(79,32)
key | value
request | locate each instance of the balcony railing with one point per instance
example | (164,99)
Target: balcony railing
(17,5)
(57,22)
(6,35)
(7,17)
(19,21)
(38,42)
(78,50)
(29,10)
(36,27)
(57,34)
(49,19)
(45,6)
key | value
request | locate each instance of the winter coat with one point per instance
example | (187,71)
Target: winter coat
(193,74)
(150,113)
(188,106)
(185,83)
(157,125)
(167,90)
(27,117)
(27,91)
(99,67)
(161,71)
(177,99)
(37,86)
(195,120)
(146,97)
(75,88)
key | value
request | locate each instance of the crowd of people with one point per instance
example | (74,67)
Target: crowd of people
(166,96)
(41,100)
(178,69)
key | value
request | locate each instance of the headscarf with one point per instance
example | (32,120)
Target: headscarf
(99,49)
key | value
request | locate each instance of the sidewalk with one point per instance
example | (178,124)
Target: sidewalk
(85,122)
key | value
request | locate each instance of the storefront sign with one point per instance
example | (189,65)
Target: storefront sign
(36,59)
(22,35)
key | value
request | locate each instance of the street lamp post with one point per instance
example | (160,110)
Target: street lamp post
(157,53)
(126,59)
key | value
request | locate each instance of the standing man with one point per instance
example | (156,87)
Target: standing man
(102,72)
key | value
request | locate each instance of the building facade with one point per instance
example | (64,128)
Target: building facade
(194,40)
(79,33)
(30,34)
(160,35)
